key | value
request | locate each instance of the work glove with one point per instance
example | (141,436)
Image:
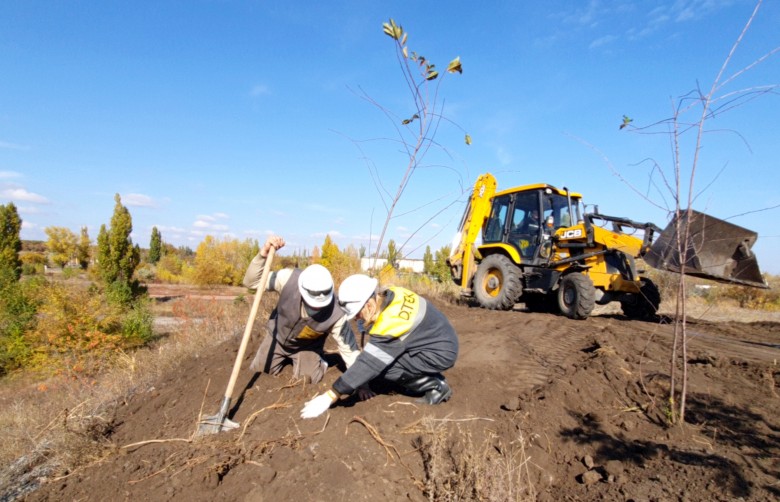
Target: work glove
(318,405)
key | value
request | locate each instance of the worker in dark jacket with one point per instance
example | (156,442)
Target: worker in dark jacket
(410,343)
(306,313)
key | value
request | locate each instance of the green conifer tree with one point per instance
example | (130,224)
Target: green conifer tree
(393,253)
(441,270)
(155,246)
(117,257)
(10,242)
(83,249)
(428,262)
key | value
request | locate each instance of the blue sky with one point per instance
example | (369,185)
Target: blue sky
(242,118)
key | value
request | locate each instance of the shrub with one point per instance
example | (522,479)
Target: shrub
(340,264)
(82,329)
(138,324)
(752,298)
(119,293)
(70,272)
(32,262)
(220,262)
(32,269)
(146,272)
(170,269)
(18,306)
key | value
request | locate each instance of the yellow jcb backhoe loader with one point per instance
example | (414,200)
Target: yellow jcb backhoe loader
(539,247)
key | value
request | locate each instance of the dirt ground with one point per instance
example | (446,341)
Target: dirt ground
(544,408)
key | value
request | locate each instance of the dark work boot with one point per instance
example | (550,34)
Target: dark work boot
(435,388)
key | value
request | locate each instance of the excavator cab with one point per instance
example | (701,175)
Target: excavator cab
(526,219)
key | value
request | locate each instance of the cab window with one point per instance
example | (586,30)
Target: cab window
(494,229)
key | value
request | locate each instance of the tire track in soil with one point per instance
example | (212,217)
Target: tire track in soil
(726,343)
(752,351)
(551,342)
(521,350)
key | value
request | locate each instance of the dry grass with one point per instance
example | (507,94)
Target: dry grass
(465,462)
(443,291)
(51,427)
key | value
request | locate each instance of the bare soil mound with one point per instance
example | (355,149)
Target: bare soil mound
(543,408)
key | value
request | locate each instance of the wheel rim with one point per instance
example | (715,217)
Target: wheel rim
(492,282)
(569,295)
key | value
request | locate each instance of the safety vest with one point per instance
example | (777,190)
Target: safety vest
(400,315)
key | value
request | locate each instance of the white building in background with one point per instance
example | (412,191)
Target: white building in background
(367,264)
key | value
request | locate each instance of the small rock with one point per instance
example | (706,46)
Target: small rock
(587,460)
(513,404)
(660,478)
(628,425)
(614,468)
(590,477)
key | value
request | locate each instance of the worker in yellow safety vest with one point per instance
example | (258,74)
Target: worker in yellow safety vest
(410,343)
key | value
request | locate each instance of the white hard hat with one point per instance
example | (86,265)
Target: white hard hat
(316,286)
(354,292)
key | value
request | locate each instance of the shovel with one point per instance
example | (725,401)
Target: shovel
(220,422)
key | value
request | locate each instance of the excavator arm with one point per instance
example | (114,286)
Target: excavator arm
(462,256)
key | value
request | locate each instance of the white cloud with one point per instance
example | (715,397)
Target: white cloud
(18,193)
(9,174)
(602,41)
(212,217)
(208,222)
(30,210)
(366,237)
(210,226)
(12,146)
(258,233)
(163,228)
(259,90)
(138,200)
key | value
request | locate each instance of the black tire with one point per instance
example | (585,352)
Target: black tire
(497,283)
(643,305)
(541,303)
(576,296)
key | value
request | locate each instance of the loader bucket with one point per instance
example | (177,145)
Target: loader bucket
(714,249)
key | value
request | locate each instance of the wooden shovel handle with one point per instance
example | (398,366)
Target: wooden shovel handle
(248,330)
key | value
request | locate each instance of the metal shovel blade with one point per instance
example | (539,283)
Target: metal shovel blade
(217,423)
(715,249)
